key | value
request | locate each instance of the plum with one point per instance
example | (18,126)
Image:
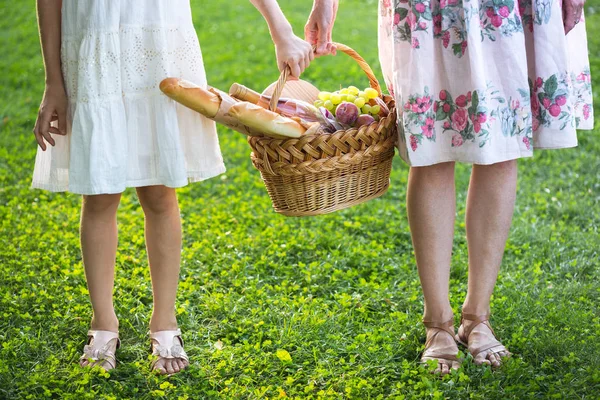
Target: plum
(364,119)
(347,113)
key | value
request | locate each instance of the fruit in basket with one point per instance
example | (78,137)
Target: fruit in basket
(347,113)
(371,93)
(364,119)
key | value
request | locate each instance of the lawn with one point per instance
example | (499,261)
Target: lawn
(325,307)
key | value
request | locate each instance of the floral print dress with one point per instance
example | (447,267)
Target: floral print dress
(483,81)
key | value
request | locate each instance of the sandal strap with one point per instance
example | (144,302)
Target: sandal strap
(98,349)
(167,344)
(479,319)
(446,326)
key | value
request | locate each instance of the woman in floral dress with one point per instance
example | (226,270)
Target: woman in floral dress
(483,82)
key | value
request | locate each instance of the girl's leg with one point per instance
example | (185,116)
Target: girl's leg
(490,206)
(98,234)
(163,242)
(431,204)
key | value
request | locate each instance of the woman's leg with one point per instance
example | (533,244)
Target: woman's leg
(490,206)
(98,235)
(431,205)
(163,242)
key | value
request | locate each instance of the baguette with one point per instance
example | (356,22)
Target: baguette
(267,122)
(192,96)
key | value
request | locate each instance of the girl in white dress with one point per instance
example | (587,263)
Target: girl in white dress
(103,126)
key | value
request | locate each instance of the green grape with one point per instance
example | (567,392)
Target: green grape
(351,98)
(353,90)
(336,98)
(328,105)
(319,103)
(324,96)
(344,97)
(371,93)
(359,102)
(375,109)
(366,109)
(344,91)
(363,95)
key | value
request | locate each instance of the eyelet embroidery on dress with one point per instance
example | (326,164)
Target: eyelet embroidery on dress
(130,61)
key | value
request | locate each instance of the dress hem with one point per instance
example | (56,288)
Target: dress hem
(192,176)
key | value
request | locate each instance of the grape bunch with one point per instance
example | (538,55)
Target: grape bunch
(363,99)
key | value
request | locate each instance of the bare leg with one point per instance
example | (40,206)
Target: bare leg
(431,204)
(99,248)
(163,242)
(490,206)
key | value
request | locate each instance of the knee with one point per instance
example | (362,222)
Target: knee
(438,172)
(101,203)
(158,200)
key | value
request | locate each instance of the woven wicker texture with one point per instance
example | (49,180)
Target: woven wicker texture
(321,173)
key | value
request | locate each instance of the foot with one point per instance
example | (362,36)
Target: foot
(441,347)
(100,350)
(167,348)
(476,333)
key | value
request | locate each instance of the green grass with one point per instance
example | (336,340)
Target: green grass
(340,292)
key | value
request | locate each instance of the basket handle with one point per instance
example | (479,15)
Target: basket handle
(339,46)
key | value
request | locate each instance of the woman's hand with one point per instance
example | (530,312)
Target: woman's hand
(295,52)
(53,108)
(572,13)
(320,25)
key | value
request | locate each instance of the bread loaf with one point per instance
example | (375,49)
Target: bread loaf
(191,95)
(265,121)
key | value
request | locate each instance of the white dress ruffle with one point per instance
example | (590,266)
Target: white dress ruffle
(122,131)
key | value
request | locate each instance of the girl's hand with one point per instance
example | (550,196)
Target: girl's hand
(572,13)
(294,52)
(320,25)
(53,108)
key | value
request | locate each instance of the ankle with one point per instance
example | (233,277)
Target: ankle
(160,322)
(441,314)
(476,308)
(105,323)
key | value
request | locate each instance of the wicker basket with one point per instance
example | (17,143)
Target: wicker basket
(321,173)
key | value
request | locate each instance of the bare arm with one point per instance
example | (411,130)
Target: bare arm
(54,103)
(290,49)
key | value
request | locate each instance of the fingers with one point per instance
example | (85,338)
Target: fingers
(572,14)
(62,121)
(295,68)
(38,137)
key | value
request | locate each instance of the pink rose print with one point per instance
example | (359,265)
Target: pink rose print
(459,119)
(554,110)
(423,25)
(446,39)
(535,106)
(387,3)
(415,43)
(452,2)
(443,95)
(461,100)
(527,143)
(469,95)
(428,127)
(423,104)
(415,108)
(443,3)
(446,108)
(538,83)
(535,124)
(396,19)
(420,7)
(411,19)
(490,12)
(457,140)
(586,111)
(413,142)
(446,125)
(504,11)
(560,100)
(435,106)
(482,118)
(497,21)
(546,103)
(437,24)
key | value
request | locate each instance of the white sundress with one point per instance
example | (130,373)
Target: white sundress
(483,81)
(122,131)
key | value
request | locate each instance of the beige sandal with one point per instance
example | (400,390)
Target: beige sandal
(97,350)
(167,345)
(495,346)
(440,354)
